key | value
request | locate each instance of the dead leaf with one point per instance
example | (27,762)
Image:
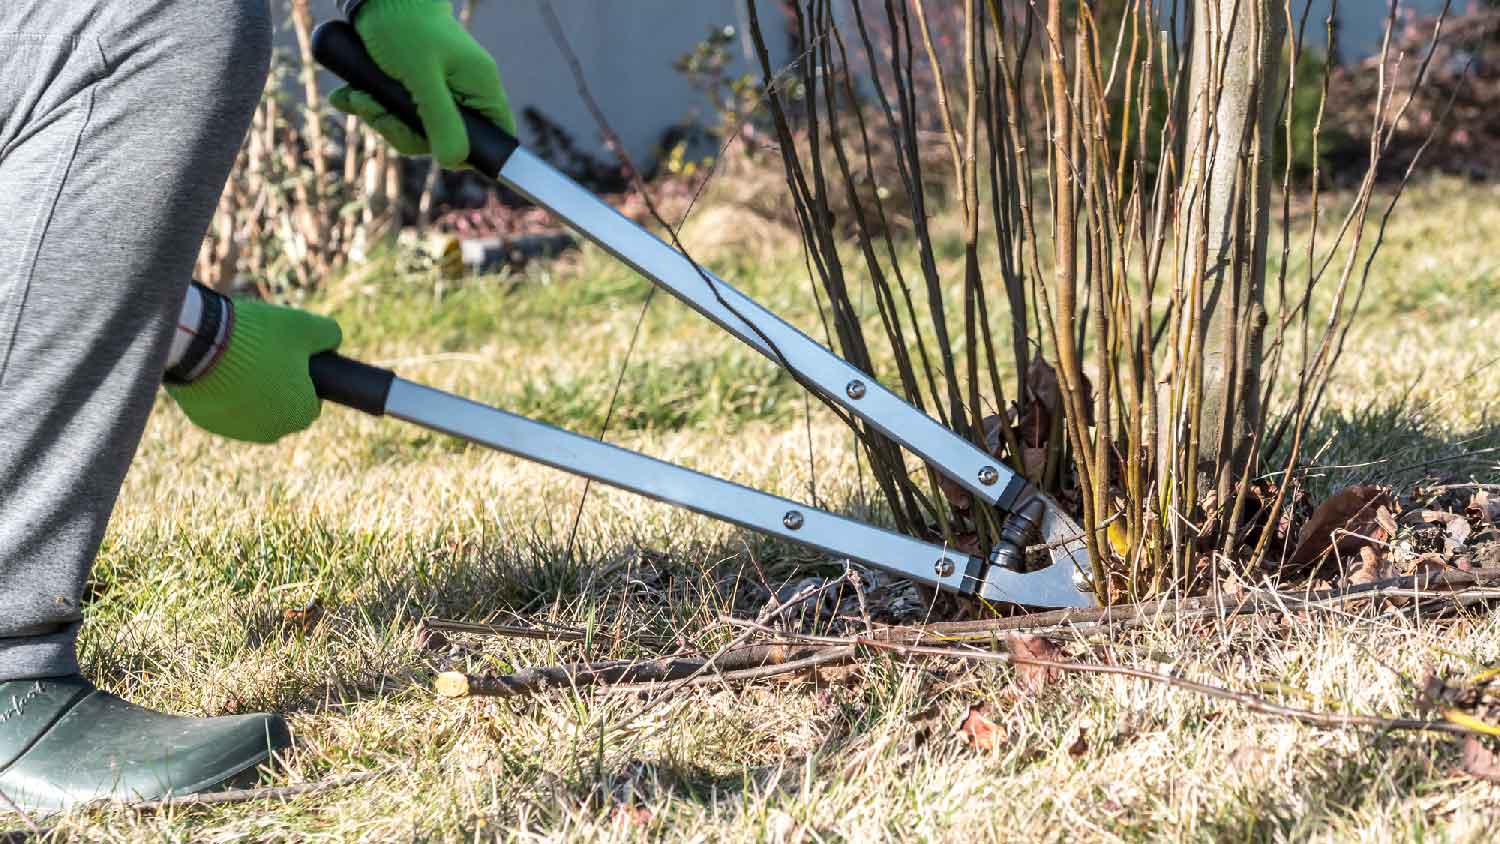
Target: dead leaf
(980,732)
(1458,533)
(1485,507)
(993,424)
(968,543)
(1478,761)
(305,618)
(1456,528)
(632,815)
(1042,384)
(1080,744)
(1373,566)
(1033,461)
(1343,523)
(1428,567)
(957,496)
(427,639)
(1386,521)
(1033,678)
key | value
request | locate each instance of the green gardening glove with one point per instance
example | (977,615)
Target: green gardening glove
(259,389)
(426,49)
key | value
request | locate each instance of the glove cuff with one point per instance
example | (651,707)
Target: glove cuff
(202,333)
(246,341)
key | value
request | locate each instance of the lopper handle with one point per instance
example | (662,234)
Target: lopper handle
(337,47)
(350,383)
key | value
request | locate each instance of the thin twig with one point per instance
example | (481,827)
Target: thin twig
(1254,703)
(560,634)
(451,626)
(245,795)
(25,817)
(615,672)
(821,657)
(1451,487)
(1186,608)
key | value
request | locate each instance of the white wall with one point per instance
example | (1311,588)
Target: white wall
(626,48)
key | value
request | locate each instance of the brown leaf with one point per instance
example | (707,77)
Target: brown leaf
(979,731)
(1043,386)
(1033,678)
(1478,761)
(1458,533)
(427,639)
(1033,461)
(1080,744)
(1428,567)
(1386,521)
(1342,524)
(1456,528)
(304,618)
(955,493)
(1485,507)
(1373,566)
(632,815)
(968,543)
(993,442)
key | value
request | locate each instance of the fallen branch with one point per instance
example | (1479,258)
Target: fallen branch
(553,634)
(451,626)
(1177,609)
(754,662)
(1254,703)
(820,658)
(763,661)
(1454,487)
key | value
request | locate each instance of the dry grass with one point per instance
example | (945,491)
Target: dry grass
(385,524)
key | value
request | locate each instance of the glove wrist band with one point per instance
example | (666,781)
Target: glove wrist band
(202,335)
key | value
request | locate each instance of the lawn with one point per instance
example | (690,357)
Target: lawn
(215,549)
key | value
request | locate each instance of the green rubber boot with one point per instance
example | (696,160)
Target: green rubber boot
(63,742)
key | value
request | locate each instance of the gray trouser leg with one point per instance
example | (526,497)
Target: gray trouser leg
(119,120)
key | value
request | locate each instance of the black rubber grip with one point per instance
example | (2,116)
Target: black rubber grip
(350,383)
(337,47)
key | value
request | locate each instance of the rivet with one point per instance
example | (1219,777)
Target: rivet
(943,567)
(988,475)
(856,389)
(792,520)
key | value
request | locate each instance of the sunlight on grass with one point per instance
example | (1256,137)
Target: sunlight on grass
(382,524)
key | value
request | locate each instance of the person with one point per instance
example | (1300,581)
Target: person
(119,122)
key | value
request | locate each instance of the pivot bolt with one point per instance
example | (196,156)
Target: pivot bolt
(792,520)
(856,389)
(988,475)
(943,567)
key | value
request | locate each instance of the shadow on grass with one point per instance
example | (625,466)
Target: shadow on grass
(630,600)
(1397,443)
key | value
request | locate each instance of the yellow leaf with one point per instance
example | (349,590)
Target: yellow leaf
(1119,538)
(1465,720)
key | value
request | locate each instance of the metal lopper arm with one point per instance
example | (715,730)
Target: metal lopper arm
(498,155)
